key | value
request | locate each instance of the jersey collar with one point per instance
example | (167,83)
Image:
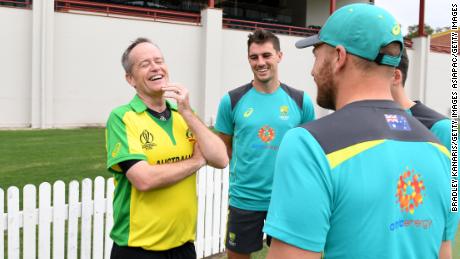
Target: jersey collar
(139,106)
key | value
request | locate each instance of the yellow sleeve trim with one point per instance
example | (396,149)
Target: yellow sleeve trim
(337,157)
(441,148)
(116,168)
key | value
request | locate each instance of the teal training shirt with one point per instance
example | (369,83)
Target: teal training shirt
(257,122)
(367,181)
(443,130)
(437,123)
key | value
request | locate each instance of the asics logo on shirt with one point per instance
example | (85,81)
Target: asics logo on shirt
(248,112)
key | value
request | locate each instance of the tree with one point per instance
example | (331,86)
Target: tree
(441,29)
(412,31)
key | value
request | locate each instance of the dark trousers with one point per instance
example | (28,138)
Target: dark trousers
(185,251)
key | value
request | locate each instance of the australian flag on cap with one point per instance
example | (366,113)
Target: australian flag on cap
(397,122)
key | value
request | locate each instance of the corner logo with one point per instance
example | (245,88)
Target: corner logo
(232,238)
(409,191)
(189,135)
(266,134)
(396,29)
(146,139)
(284,110)
(248,112)
(116,149)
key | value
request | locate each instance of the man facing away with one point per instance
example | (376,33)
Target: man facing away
(154,148)
(369,180)
(437,123)
(252,120)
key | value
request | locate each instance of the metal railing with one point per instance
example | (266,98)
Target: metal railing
(27,4)
(440,48)
(125,10)
(433,47)
(177,16)
(276,28)
(408,43)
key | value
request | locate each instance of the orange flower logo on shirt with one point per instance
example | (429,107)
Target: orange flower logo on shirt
(410,191)
(266,134)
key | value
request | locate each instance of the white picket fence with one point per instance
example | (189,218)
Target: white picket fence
(89,220)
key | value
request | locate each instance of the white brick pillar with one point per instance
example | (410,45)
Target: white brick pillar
(211,20)
(42,64)
(419,64)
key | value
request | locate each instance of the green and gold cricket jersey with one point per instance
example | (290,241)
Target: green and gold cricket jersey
(162,218)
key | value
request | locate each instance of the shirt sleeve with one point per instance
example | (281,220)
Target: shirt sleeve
(224,121)
(453,219)
(301,202)
(442,130)
(127,164)
(308,111)
(117,145)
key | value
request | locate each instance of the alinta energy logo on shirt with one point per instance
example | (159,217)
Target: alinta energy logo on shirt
(409,191)
(146,139)
(266,134)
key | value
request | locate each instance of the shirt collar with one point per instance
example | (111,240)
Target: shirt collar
(386,104)
(139,106)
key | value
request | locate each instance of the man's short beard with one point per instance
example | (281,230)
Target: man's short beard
(326,97)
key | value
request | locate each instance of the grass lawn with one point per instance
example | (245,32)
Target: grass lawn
(36,156)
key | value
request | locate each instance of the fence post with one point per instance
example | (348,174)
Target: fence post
(30,221)
(44,219)
(108,218)
(224,207)
(2,225)
(98,226)
(13,222)
(72,224)
(208,212)
(58,219)
(86,212)
(201,182)
(217,174)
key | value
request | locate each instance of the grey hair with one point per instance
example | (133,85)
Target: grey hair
(125,60)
